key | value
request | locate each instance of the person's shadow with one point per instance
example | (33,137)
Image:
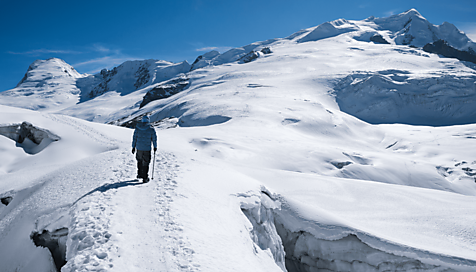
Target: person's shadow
(109,186)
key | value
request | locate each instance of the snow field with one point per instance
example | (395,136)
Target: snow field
(128,225)
(262,162)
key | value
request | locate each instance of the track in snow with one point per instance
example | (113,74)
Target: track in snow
(126,225)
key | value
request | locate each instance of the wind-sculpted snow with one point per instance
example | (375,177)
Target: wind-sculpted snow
(48,85)
(32,139)
(246,54)
(400,97)
(312,246)
(262,164)
(259,210)
(129,77)
(329,29)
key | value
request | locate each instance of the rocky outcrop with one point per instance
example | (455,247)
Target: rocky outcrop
(6,200)
(204,60)
(25,130)
(55,241)
(377,38)
(443,48)
(251,56)
(266,50)
(32,139)
(165,90)
(102,87)
(143,76)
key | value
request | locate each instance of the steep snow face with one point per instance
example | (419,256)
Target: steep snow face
(330,29)
(411,28)
(407,28)
(129,77)
(214,58)
(402,97)
(53,85)
(48,85)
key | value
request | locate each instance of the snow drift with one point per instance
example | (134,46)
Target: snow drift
(264,161)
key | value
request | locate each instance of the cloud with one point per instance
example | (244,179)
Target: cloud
(390,13)
(37,52)
(217,48)
(95,65)
(470,30)
(206,49)
(100,48)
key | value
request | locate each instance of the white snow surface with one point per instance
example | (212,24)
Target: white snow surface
(259,149)
(48,85)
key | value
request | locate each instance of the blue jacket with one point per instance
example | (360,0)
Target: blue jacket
(144,134)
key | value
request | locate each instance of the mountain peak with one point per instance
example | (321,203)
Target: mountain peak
(41,70)
(412,11)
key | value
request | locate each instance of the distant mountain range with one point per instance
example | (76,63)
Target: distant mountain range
(52,85)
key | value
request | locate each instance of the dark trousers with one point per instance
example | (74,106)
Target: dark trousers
(143,161)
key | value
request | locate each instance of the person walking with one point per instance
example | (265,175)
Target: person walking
(144,135)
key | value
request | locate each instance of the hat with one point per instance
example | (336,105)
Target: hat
(145,119)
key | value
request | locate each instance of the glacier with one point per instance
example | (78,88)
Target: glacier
(321,151)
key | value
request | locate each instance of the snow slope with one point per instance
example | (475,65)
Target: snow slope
(48,85)
(52,85)
(262,166)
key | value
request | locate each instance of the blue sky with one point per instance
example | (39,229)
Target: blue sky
(91,35)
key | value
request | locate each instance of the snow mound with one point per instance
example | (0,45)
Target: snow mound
(329,29)
(189,116)
(395,96)
(244,54)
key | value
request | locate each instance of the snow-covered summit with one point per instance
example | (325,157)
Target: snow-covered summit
(333,149)
(53,85)
(42,70)
(48,85)
(407,28)
(411,28)
(130,76)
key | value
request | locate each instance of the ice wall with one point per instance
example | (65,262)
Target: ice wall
(259,210)
(298,245)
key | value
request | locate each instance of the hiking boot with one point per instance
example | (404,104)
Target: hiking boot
(145,180)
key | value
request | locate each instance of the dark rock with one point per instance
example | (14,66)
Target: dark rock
(166,123)
(6,200)
(26,131)
(377,38)
(102,87)
(251,56)
(143,77)
(36,135)
(266,50)
(340,165)
(407,39)
(131,123)
(197,60)
(165,90)
(55,241)
(443,48)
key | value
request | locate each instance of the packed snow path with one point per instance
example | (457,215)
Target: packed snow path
(126,225)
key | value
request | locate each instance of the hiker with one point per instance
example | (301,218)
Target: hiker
(144,134)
